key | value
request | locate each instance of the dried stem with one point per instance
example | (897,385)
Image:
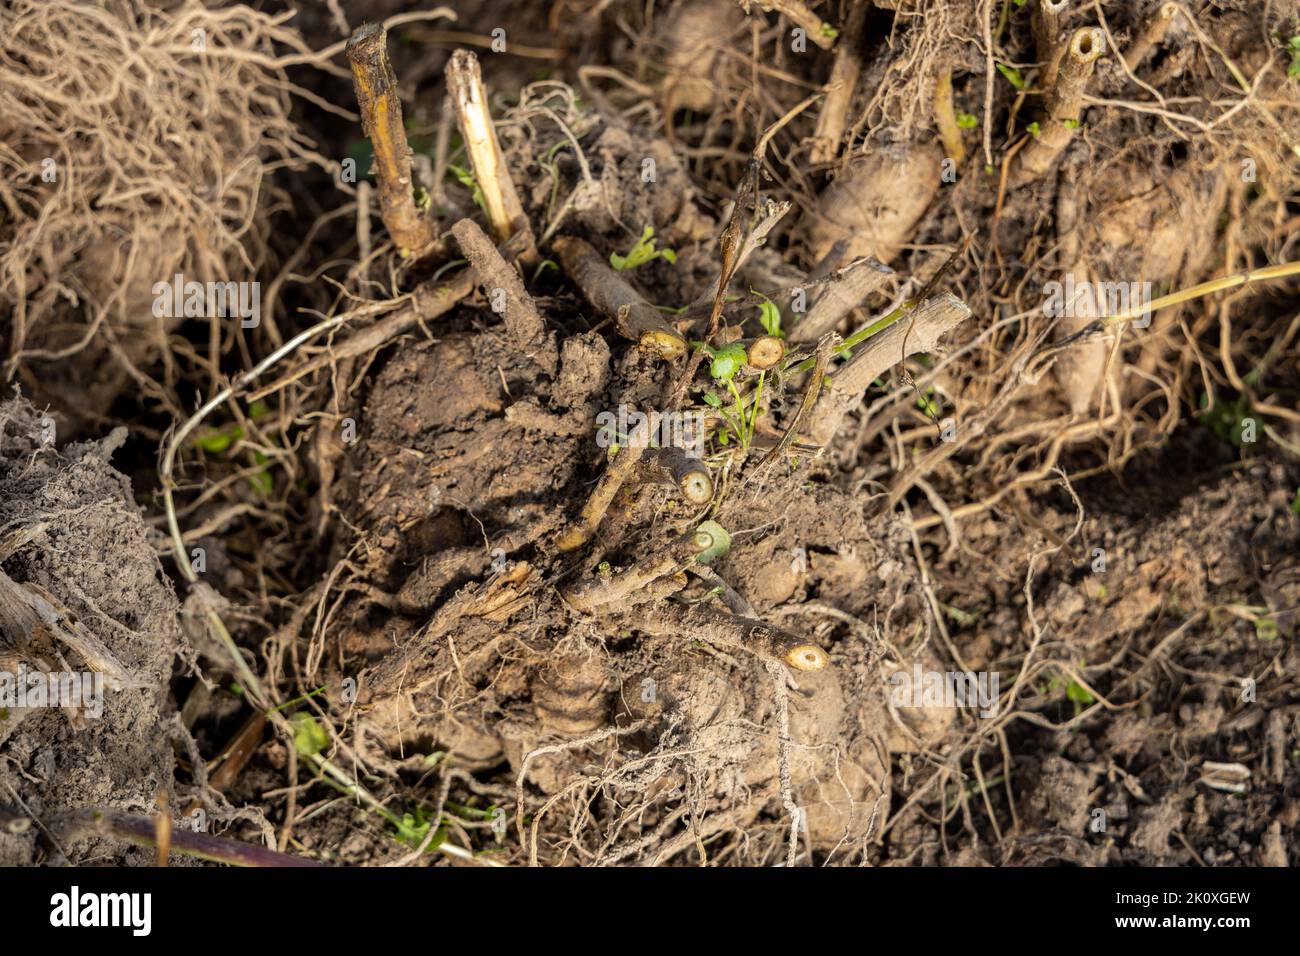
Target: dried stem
(381,116)
(770,643)
(634,318)
(616,473)
(818,30)
(1151,34)
(468,97)
(142,831)
(918,332)
(848,288)
(1064,103)
(1047,21)
(634,582)
(523,322)
(840,89)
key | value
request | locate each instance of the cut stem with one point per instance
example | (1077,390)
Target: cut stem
(143,831)
(1047,20)
(840,89)
(609,292)
(469,98)
(1064,103)
(690,475)
(381,117)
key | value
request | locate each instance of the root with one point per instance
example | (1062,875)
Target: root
(144,831)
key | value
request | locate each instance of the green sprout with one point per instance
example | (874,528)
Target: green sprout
(1012,74)
(1293,47)
(644,251)
(1225,419)
(967,120)
(742,417)
(769,316)
(466,178)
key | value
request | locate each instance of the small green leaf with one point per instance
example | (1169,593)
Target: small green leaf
(309,737)
(1034,129)
(642,252)
(967,120)
(1013,75)
(1079,694)
(769,315)
(1070,123)
(727,361)
(466,179)
(711,398)
(1295,505)
(220,439)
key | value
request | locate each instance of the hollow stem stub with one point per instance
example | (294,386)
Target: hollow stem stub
(1064,102)
(690,475)
(381,117)
(1046,21)
(764,352)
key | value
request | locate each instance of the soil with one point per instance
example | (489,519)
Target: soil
(471,631)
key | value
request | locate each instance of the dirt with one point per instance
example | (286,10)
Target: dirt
(475,629)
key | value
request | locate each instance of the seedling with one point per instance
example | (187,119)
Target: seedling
(466,178)
(1013,75)
(644,251)
(769,316)
(742,417)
